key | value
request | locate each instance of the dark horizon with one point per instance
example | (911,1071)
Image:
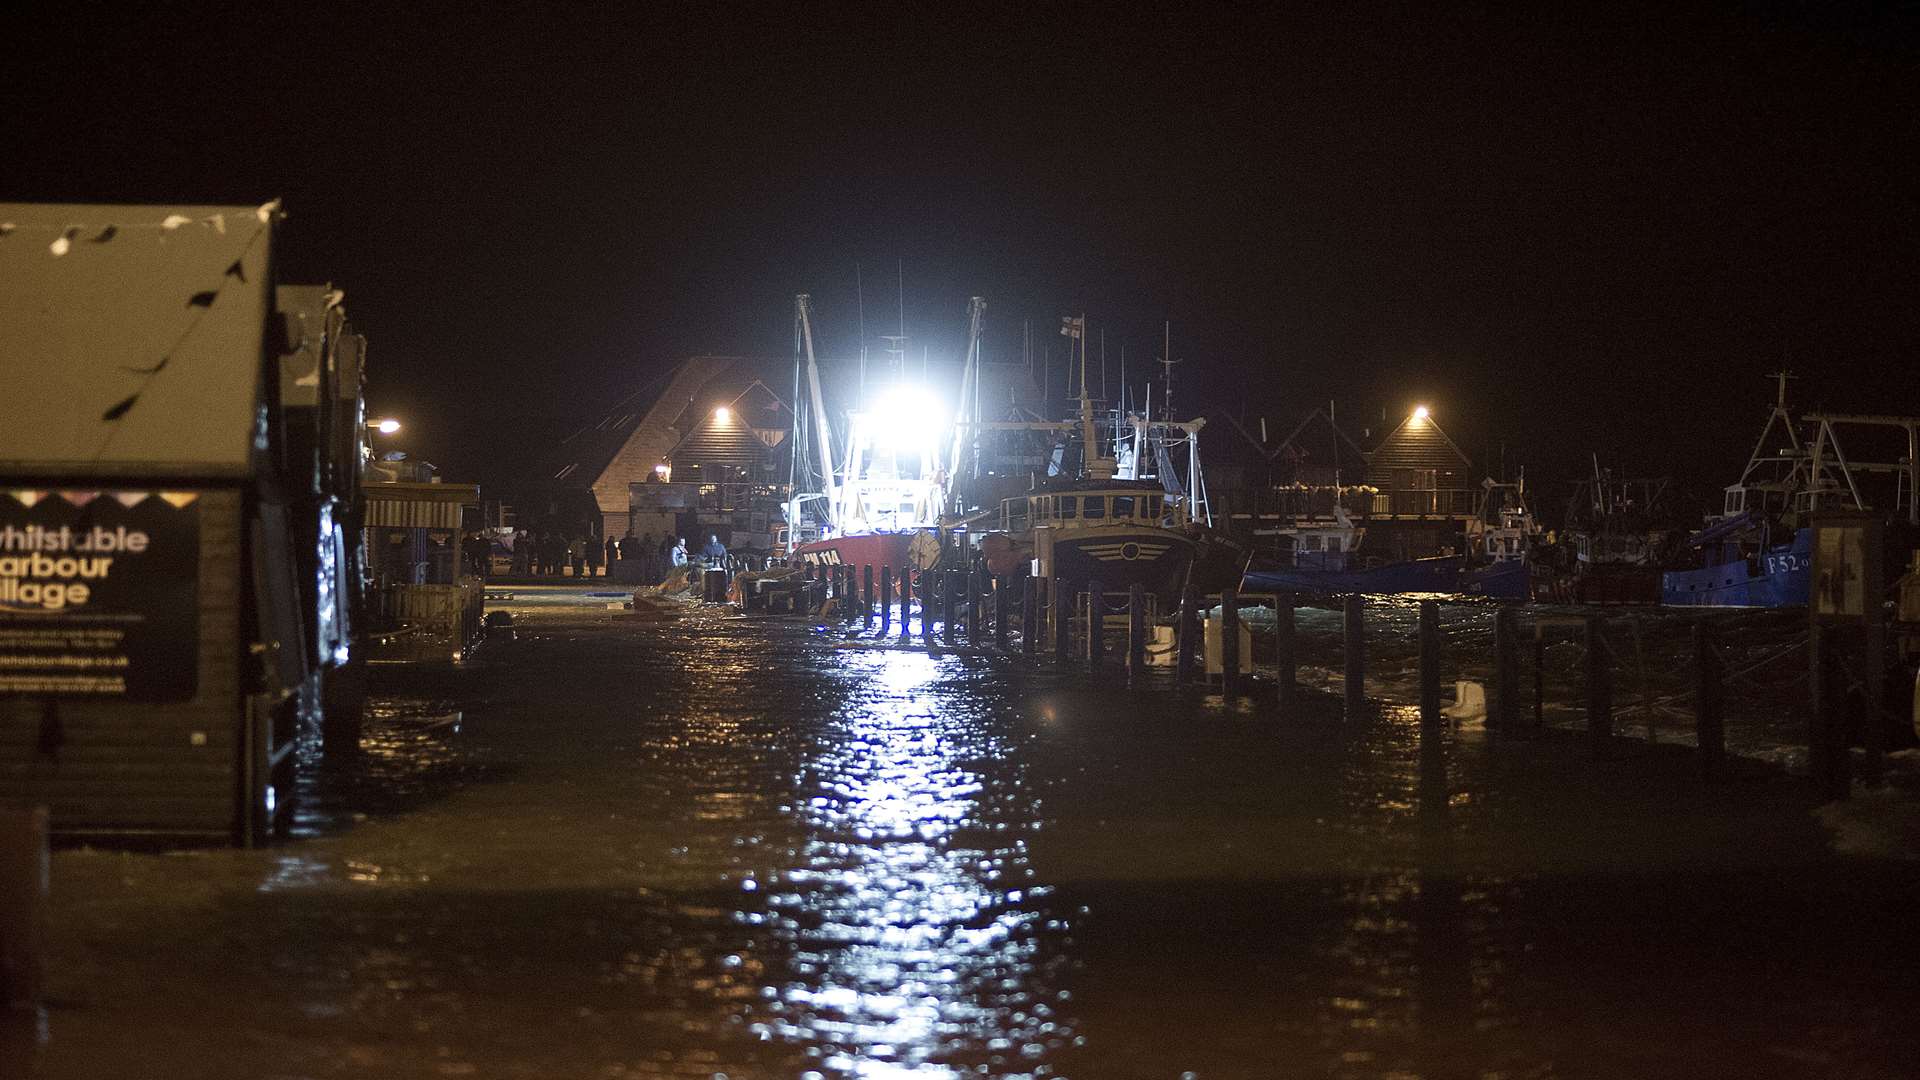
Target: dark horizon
(1567,236)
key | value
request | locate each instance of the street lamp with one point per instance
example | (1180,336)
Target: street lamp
(386,426)
(1419,412)
(722,414)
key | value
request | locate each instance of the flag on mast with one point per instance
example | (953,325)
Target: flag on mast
(1073,327)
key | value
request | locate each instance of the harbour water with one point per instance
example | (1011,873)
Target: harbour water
(706,845)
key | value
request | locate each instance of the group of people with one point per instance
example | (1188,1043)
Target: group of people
(553,554)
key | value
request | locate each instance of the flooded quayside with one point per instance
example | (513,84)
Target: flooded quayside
(694,844)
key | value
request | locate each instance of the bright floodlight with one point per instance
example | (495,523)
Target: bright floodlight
(907,417)
(722,414)
(1419,412)
(387,426)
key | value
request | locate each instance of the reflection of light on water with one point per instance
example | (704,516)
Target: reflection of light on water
(913,954)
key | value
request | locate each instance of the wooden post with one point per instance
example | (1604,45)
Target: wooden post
(1002,609)
(1286,664)
(1061,603)
(1539,676)
(971,577)
(866,596)
(1709,701)
(1829,765)
(1599,687)
(1136,632)
(906,604)
(1096,624)
(930,590)
(1186,635)
(1229,643)
(1506,669)
(949,596)
(886,600)
(1029,614)
(23,906)
(1430,663)
(1354,634)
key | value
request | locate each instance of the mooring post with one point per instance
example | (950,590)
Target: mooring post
(1002,610)
(971,576)
(1829,765)
(1061,604)
(1354,637)
(1539,676)
(1599,687)
(866,596)
(1136,632)
(1429,662)
(930,589)
(949,598)
(1286,664)
(1186,635)
(886,600)
(1029,613)
(1229,643)
(1506,669)
(906,604)
(1096,624)
(1709,701)
(23,906)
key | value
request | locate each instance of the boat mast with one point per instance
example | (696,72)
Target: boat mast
(967,419)
(822,432)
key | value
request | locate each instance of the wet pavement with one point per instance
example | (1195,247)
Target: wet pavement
(630,846)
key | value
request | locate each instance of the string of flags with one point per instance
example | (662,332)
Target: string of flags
(30,498)
(102,234)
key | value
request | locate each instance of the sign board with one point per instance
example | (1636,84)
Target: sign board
(98,594)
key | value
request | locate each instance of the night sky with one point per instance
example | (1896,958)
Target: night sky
(1570,229)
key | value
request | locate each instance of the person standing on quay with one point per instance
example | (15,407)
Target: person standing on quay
(592,552)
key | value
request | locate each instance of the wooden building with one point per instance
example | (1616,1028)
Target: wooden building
(160,657)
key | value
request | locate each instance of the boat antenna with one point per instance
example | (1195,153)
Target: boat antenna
(860,305)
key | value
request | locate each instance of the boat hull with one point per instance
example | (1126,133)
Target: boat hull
(1118,558)
(1781,577)
(878,550)
(1444,574)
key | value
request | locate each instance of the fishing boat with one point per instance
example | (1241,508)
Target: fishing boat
(1122,500)
(878,503)
(1325,556)
(1757,552)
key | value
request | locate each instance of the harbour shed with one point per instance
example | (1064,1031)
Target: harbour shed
(157,669)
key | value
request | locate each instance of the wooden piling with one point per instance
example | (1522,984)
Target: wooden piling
(1539,677)
(1286,663)
(1230,643)
(1002,610)
(866,596)
(886,600)
(1599,687)
(1061,605)
(1709,701)
(1029,614)
(930,589)
(1186,635)
(971,577)
(1136,632)
(1506,669)
(23,906)
(1430,663)
(1354,638)
(906,604)
(1096,625)
(949,596)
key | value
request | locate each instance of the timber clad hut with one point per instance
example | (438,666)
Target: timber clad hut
(160,651)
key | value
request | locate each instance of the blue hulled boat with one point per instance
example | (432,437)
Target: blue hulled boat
(1741,569)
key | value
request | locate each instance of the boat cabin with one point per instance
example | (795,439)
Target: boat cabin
(1066,509)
